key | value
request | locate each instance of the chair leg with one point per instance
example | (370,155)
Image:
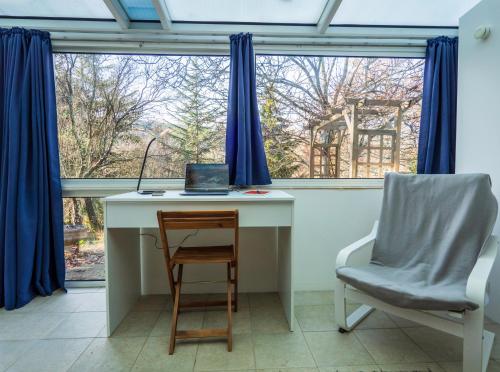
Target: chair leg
(229,310)
(236,287)
(340,305)
(474,358)
(175,314)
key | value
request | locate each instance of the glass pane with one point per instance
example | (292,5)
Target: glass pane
(404,13)
(262,11)
(296,92)
(56,8)
(140,10)
(83,239)
(110,106)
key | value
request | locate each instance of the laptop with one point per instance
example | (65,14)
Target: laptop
(206,179)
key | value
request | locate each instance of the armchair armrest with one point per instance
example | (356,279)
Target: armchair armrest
(362,247)
(478,278)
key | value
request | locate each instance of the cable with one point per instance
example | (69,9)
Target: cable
(172,246)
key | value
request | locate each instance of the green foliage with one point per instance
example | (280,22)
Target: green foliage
(279,142)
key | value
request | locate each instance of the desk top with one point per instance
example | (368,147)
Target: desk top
(174,196)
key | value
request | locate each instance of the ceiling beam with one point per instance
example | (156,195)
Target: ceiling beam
(162,10)
(327,15)
(118,13)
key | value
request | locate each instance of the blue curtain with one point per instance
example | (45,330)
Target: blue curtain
(245,153)
(31,220)
(436,147)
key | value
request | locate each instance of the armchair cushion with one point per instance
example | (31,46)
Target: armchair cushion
(430,234)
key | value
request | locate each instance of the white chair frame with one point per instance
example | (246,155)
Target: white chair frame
(469,325)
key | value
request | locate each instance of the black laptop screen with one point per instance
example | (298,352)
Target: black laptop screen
(207,177)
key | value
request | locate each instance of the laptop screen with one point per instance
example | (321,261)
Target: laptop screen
(207,177)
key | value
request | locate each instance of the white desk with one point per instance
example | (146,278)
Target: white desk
(126,214)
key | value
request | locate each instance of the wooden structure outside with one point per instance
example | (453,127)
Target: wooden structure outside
(374,128)
(226,255)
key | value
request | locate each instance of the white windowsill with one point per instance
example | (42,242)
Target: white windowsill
(104,187)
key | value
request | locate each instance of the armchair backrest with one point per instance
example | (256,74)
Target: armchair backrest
(436,224)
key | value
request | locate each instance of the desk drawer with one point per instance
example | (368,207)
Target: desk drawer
(251,214)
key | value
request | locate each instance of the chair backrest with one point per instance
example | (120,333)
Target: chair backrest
(435,224)
(197,220)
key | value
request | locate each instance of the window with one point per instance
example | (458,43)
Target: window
(322,117)
(339,117)
(83,239)
(110,106)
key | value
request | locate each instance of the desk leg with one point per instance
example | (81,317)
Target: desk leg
(285,272)
(123,274)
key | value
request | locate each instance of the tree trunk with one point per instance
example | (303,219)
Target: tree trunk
(95,223)
(77,216)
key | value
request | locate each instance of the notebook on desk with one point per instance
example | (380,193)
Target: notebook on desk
(206,179)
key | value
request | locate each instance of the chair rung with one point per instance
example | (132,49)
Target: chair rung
(204,303)
(204,281)
(202,333)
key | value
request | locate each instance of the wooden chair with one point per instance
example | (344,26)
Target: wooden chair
(227,254)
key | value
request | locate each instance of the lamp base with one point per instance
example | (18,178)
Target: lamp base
(151,192)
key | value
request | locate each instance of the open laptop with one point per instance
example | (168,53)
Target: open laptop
(206,179)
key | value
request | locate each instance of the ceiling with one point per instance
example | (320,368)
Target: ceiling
(428,13)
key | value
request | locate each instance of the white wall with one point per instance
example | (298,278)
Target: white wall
(478,126)
(326,220)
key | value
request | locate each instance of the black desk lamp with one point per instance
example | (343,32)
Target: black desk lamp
(149,192)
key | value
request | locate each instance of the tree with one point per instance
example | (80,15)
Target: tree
(279,143)
(197,119)
(100,101)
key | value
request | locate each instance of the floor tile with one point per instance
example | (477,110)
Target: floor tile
(243,303)
(87,290)
(304,298)
(187,320)
(51,355)
(493,366)
(28,326)
(76,325)
(92,302)
(137,324)
(367,368)
(212,355)
(282,350)
(376,319)
(154,356)
(414,367)
(391,346)
(316,317)
(495,328)
(61,302)
(337,349)
(153,303)
(403,323)
(10,351)
(305,369)
(264,300)
(218,319)
(269,320)
(441,347)
(109,354)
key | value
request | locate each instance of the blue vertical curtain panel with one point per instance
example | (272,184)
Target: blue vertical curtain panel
(31,215)
(438,123)
(245,153)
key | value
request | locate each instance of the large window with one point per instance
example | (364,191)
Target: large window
(322,117)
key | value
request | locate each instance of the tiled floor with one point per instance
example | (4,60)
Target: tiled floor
(66,332)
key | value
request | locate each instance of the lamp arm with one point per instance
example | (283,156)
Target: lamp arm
(144,163)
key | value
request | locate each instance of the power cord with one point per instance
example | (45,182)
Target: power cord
(172,246)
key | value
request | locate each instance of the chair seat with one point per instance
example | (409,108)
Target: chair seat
(406,288)
(203,255)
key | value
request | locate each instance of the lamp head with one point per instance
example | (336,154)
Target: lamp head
(163,133)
